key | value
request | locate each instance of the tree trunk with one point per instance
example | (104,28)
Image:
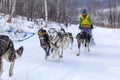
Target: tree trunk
(12,10)
(119,20)
(46,13)
(1,4)
(110,16)
(58,10)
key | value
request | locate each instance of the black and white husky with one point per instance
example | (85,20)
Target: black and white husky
(8,52)
(83,37)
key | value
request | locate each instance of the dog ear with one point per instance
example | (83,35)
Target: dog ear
(19,51)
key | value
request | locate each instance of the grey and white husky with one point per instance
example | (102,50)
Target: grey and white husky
(56,43)
(68,38)
(8,52)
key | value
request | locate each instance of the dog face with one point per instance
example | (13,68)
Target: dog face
(80,37)
(66,37)
(52,33)
(62,31)
(42,34)
(43,37)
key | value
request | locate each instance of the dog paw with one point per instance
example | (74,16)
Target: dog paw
(78,54)
(10,74)
(61,56)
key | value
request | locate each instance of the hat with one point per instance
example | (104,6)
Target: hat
(84,11)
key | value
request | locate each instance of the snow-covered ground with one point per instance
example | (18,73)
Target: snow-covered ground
(101,63)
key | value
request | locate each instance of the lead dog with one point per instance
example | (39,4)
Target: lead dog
(8,52)
(44,41)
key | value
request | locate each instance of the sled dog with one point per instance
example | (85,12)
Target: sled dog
(8,52)
(83,37)
(44,41)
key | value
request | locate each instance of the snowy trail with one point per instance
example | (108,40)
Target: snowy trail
(102,63)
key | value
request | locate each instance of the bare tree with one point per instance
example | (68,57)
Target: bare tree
(46,13)
(112,13)
(58,10)
(4,6)
(11,10)
(1,4)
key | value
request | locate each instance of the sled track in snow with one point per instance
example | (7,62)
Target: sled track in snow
(69,75)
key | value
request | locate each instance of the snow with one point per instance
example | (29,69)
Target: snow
(101,63)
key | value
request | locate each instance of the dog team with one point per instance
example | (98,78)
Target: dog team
(52,41)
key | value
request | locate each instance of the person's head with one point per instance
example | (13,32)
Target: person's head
(84,12)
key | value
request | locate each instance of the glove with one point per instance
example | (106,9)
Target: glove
(80,27)
(91,27)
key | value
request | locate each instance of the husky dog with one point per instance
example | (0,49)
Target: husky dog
(44,41)
(56,42)
(83,37)
(8,52)
(68,37)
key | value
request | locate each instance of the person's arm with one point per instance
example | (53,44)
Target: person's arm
(91,25)
(89,18)
(80,23)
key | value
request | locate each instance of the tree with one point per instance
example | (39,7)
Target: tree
(58,10)
(12,6)
(46,13)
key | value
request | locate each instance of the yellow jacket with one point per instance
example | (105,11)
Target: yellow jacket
(85,22)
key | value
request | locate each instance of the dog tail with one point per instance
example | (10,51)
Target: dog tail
(19,51)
